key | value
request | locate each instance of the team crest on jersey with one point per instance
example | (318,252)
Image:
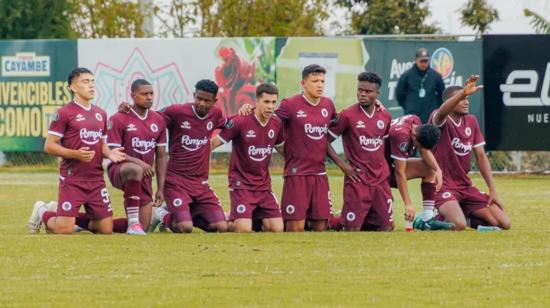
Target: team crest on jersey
(131,127)
(55,116)
(251,134)
(324,112)
(404,147)
(154,127)
(271,134)
(66,206)
(360,124)
(301,114)
(98,116)
(109,125)
(468,131)
(185,125)
(209,125)
(80,117)
(380,124)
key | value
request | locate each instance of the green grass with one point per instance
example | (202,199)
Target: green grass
(312,269)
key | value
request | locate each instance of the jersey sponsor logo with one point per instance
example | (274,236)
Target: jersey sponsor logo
(98,116)
(380,124)
(271,134)
(241,208)
(143,146)
(80,117)
(360,124)
(324,112)
(370,144)
(522,92)
(90,137)
(192,144)
(315,132)
(154,128)
(460,148)
(66,206)
(468,131)
(209,125)
(250,134)
(131,127)
(290,209)
(185,125)
(259,154)
(301,114)
(350,216)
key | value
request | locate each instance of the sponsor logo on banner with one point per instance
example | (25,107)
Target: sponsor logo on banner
(523,93)
(26,64)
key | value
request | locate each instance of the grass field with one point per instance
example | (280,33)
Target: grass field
(311,269)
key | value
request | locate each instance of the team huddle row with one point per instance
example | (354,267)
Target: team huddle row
(380,154)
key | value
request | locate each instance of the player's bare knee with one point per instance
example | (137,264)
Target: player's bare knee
(277,228)
(506,224)
(242,229)
(184,227)
(387,228)
(219,226)
(460,225)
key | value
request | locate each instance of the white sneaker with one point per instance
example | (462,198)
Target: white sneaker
(52,206)
(35,221)
(155,220)
(136,229)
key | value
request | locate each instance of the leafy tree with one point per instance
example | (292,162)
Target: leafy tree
(388,16)
(34,19)
(539,23)
(478,15)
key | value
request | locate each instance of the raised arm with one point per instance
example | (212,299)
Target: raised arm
(449,105)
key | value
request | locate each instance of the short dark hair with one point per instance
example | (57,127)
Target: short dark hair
(427,135)
(267,88)
(371,77)
(313,69)
(138,83)
(207,85)
(77,72)
(450,91)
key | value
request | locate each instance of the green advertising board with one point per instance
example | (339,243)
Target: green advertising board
(454,60)
(32,86)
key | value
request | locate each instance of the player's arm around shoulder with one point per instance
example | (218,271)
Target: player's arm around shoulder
(227,132)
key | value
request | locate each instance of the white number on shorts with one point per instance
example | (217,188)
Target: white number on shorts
(105,195)
(390,206)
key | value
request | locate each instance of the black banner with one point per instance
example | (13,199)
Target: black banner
(516,69)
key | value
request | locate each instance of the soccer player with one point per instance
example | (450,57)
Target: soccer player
(458,198)
(306,117)
(76,134)
(364,127)
(142,133)
(254,137)
(190,200)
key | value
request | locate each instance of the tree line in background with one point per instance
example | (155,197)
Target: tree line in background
(26,19)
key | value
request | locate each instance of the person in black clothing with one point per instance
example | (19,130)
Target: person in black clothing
(419,89)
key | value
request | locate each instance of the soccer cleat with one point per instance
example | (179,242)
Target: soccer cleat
(52,206)
(155,221)
(35,221)
(432,224)
(136,229)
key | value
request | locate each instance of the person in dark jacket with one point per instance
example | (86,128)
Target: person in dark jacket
(420,88)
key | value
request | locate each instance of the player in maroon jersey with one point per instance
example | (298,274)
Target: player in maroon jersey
(190,200)
(306,117)
(458,199)
(254,137)
(142,133)
(76,134)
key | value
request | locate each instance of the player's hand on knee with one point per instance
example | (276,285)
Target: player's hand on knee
(124,107)
(84,154)
(494,199)
(245,109)
(148,171)
(351,173)
(438,179)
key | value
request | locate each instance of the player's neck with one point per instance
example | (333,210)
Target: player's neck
(368,109)
(84,103)
(455,116)
(260,117)
(142,112)
(311,100)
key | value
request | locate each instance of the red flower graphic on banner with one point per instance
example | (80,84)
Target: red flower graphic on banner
(235,78)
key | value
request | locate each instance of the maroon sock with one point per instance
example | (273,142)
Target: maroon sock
(120,225)
(428,191)
(83,221)
(47,215)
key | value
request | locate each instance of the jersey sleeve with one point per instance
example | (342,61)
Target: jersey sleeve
(338,125)
(478,136)
(105,126)
(162,137)
(115,132)
(399,144)
(229,131)
(283,112)
(280,137)
(59,123)
(221,120)
(165,113)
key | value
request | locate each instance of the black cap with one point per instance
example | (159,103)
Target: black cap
(422,53)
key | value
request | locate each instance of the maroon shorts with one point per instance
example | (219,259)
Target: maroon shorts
(470,198)
(366,204)
(146,195)
(92,194)
(253,204)
(306,197)
(189,201)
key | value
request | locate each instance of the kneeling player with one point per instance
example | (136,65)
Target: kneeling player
(142,134)
(254,137)
(458,199)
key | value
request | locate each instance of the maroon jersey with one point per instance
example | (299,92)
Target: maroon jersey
(252,146)
(139,136)
(363,137)
(305,127)
(190,140)
(454,150)
(80,127)
(399,145)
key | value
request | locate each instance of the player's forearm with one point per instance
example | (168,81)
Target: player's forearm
(448,106)
(280,149)
(429,159)
(335,158)
(214,143)
(134,160)
(160,168)
(403,187)
(105,150)
(485,169)
(54,148)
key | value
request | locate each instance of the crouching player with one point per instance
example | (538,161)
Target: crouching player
(254,137)
(458,198)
